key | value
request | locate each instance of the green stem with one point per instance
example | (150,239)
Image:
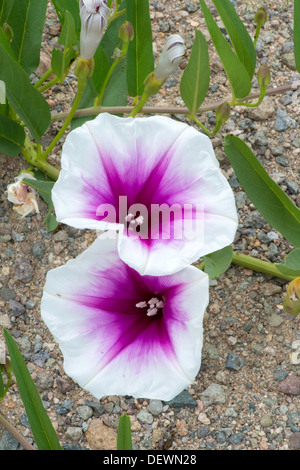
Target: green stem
(193,118)
(99,98)
(43,78)
(116,15)
(259,265)
(67,121)
(32,158)
(258,27)
(49,84)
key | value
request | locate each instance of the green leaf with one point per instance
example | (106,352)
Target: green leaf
(5,9)
(124,440)
(218,262)
(116,90)
(28,103)
(140,61)
(237,74)
(297,33)
(273,204)
(195,79)
(51,222)
(61,60)
(12,136)
(68,35)
(241,41)
(291,265)
(27,22)
(41,426)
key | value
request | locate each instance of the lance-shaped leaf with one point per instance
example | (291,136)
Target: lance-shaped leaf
(71,6)
(12,136)
(5,9)
(27,22)
(124,440)
(273,204)
(41,426)
(61,59)
(28,103)
(291,265)
(297,33)
(195,79)
(218,262)
(241,41)
(140,61)
(235,70)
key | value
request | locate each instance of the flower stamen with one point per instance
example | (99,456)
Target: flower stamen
(153,306)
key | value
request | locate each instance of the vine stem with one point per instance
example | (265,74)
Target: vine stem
(9,427)
(170,110)
(32,158)
(259,265)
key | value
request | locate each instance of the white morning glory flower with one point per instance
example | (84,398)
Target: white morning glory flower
(125,334)
(154,180)
(170,57)
(94,15)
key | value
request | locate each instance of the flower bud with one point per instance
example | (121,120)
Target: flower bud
(126,32)
(84,68)
(263,76)
(170,57)
(261,16)
(152,85)
(22,196)
(291,302)
(223,112)
(94,16)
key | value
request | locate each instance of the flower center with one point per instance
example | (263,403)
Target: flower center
(153,306)
(134,220)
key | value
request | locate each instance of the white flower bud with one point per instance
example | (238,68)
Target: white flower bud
(170,57)
(94,16)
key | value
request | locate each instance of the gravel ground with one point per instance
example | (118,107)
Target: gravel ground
(246,395)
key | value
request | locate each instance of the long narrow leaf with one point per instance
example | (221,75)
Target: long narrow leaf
(28,103)
(124,440)
(41,426)
(273,204)
(241,41)
(140,54)
(235,70)
(27,20)
(195,79)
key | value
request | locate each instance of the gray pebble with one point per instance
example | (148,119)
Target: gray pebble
(7,293)
(292,186)
(8,442)
(64,407)
(277,151)
(23,269)
(234,362)
(183,399)
(213,394)
(191,7)
(85,412)
(16,308)
(145,417)
(155,407)
(38,250)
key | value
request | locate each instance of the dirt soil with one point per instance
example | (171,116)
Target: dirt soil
(246,395)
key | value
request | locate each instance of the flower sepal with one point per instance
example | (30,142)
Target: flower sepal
(152,85)
(291,302)
(84,69)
